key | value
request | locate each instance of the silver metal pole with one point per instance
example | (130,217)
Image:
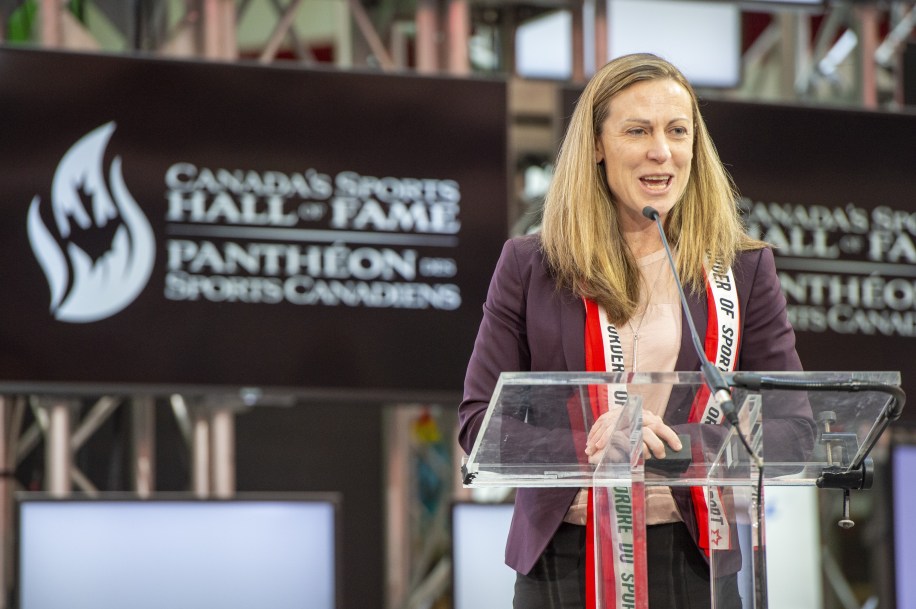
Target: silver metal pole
(427,20)
(58,452)
(601,34)
(459,34)
(200,451)
(93,420)
(143,444)
(396,449)
(222,445)
(578,41)
(789,25)
(868,18)
(51,29)
(281,30)
(367,29)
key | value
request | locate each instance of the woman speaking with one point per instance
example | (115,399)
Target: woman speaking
(598,272)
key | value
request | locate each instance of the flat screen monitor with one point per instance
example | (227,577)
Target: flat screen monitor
(703,39)
(481,579)
(777,4)
(903,467)
(181,554)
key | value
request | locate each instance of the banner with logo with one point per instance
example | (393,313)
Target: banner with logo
(169,222)
(833,191)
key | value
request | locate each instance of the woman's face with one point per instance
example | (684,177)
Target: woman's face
(646,144)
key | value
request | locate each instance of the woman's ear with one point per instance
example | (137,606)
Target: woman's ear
(599,153)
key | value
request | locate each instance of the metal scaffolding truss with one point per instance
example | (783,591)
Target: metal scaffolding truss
(849,52)
(63,423)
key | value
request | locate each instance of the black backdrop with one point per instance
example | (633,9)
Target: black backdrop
(832,190)
(311,229)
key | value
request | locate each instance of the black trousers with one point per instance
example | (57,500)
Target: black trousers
(678,575)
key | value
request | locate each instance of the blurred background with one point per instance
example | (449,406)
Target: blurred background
(429,127)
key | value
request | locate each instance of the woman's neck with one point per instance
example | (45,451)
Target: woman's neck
(643,241)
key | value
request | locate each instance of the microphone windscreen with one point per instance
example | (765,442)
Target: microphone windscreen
(650,212)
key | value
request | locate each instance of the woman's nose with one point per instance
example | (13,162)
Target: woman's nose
(659,150)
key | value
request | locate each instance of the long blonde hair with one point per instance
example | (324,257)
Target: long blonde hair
(581,233)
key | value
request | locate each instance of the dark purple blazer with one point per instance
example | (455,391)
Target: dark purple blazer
(528,324)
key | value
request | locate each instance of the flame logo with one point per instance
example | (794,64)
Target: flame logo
(88,282)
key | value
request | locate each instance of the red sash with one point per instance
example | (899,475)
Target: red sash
(621,573)
(721,347)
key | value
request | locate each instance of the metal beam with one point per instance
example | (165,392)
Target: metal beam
(219,30)
(601,34)
(96,417)
(200,452)
(370,35)
(281,30)
(303,53)
(58,453)
(427,20)
(143,445)
(578,41)
(82,482)
(790,49)
(899,33)
(459,33)
(28,441)
(51,28)
(222,446)
(868,44)
(183,39)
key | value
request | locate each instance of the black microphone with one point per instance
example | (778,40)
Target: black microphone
(720,389)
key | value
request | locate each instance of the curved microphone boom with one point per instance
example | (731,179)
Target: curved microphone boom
(714,380)
(721,392)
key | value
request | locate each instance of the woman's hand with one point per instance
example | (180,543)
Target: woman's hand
(600,433)
(604,436)
(655,434)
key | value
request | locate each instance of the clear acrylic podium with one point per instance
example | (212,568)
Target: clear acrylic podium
(806,429)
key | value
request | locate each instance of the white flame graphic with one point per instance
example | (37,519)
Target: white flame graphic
(102,288)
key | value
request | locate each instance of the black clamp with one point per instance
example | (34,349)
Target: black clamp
(845,479)
(839,448)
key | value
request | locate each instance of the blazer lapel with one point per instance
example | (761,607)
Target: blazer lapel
(687,359)
(572,331)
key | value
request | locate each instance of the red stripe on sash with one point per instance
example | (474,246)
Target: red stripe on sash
(698,493)
(712,326)
(594,362)
(698,409)
(594,344)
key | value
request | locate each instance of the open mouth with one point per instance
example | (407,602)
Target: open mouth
(656,182)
